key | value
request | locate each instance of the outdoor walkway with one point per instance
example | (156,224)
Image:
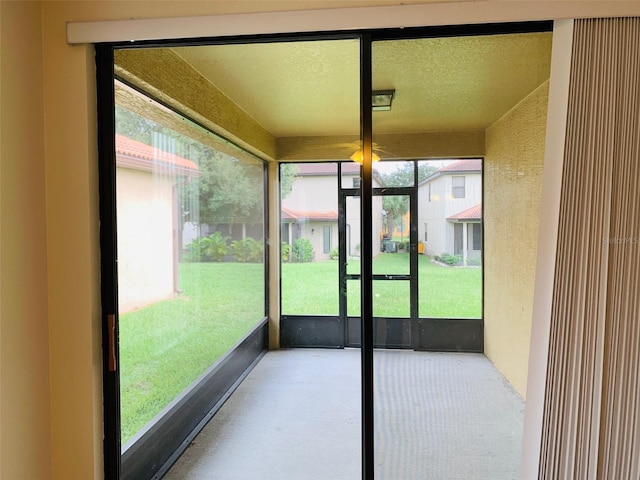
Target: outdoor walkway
(443,416)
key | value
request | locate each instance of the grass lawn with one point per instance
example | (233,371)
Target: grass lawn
(166,346)
(449,292)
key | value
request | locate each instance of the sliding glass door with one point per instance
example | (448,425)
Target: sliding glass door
(378,236)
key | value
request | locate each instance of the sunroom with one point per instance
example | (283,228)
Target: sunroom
(299,220)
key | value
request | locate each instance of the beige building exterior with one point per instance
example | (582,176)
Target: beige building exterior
(146,184)
(310,210)
(450,210)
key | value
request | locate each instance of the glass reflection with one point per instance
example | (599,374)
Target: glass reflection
(190,256)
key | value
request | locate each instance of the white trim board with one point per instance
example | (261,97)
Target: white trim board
(547,243)
(357,18)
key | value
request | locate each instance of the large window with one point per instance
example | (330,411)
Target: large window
(190,211)
(457,186)
(326,239)
(477,236)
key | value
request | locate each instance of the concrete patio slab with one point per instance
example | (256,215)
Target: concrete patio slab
(449,416)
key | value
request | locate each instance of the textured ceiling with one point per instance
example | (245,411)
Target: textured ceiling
(311,88)
(293,88)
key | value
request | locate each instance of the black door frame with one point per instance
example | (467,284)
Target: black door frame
(401,327)
(108,258)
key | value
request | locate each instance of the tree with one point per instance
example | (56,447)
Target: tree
(288,173)
(403,176)
(396,206)
(228,191)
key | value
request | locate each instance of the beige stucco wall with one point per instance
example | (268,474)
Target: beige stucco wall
(513,180)
(145,206)
(25,428)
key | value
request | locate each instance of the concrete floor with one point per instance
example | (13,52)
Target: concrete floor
(448,416)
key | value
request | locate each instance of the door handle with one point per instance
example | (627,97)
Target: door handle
(111,331)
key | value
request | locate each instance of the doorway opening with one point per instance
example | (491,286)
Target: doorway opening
(298,103)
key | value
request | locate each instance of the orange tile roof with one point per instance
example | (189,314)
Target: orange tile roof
(473,213)
(288,214)
(309,215)
(139,155)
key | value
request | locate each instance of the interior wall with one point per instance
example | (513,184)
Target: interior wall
(513,179)
(75,343)
(25,432)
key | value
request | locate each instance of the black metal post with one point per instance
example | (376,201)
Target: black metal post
(366,251)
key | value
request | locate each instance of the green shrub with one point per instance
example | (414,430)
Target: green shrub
(257,250)
(474,261)
(334,253)
(302,250)
(285,251)
(216,247)
(211,248)
(449,259)
(194,251)
(247,250)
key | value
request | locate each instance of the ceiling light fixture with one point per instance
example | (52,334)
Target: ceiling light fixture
(358,157)
(381,100)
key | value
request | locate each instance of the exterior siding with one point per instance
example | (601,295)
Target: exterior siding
(442,206)
(319,193)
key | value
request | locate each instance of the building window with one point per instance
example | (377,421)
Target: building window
(457,186)
(356,182)
(477,236)
(425,232)
(429,194)
(326,239)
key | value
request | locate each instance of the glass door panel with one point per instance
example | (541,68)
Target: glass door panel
(191,244)
(430,400)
